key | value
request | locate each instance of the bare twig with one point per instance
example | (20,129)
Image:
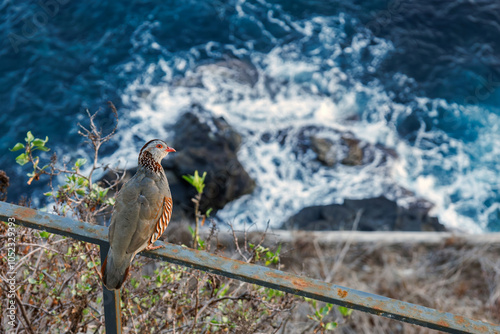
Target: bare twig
(90,251)
(340,258)
(23,312)
(95,137)
(237,244)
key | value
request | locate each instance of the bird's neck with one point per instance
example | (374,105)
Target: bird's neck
(147,161)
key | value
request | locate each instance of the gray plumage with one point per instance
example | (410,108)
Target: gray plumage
(142,211)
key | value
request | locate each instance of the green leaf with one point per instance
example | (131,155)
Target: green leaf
(43,141)
(22,159)
(32,280)
(196,181)
(44,234)
(17,147)
(346,312)
(43,148)
(278,250)
(38,142)
(208,212)
(223,292)
(135,283)
(330,325)
(188,178)
(29,137)
(110,201)
(90,264)
(80,192)
(80,162)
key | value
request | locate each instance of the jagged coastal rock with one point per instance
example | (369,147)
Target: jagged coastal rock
(210,144)
(207,144)
(375,214)
(230,70)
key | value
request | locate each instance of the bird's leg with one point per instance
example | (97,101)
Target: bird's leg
(127,275)
(151,247)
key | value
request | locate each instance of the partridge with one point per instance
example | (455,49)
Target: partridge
(141,214)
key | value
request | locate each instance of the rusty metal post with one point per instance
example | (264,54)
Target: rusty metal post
(111,300)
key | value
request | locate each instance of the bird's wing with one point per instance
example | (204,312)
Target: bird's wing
(137,208)
(154,231)
(157,194)
(142,212)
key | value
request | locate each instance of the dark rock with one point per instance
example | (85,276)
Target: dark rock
(333,146)
(206,144)
(230,70)
(375,214)
(416,218)
(355,152)
(323,148)
(4,185)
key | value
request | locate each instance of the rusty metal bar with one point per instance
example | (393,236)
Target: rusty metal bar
(68,227)
(111,300)
(279,280)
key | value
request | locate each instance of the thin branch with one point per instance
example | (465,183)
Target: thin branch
(23,312)
(343,253)
(236,243)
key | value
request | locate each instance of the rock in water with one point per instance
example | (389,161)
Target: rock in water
(207,144)
(376,214)
(323,148)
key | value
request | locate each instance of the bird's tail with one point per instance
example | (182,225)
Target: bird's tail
(114,273)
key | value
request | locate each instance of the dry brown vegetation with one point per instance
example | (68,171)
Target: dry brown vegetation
(59,290)
(459,275)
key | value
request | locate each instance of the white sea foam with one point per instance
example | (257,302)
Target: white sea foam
(295,90)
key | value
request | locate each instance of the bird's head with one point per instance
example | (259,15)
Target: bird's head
(153,152)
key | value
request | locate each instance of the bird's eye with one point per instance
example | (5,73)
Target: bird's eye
(159,146)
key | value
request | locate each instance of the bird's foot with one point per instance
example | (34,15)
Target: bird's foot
(151,247)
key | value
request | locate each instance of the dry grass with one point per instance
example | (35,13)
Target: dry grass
(452,276)
(60,291)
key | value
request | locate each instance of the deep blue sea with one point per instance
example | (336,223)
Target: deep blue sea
(419,77)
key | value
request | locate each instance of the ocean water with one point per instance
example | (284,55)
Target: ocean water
(421,78)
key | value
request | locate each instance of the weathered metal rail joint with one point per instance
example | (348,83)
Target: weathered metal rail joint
(279,280)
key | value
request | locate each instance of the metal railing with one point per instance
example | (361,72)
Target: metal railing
(275,279)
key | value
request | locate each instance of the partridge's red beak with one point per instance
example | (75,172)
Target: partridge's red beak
(169,149)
